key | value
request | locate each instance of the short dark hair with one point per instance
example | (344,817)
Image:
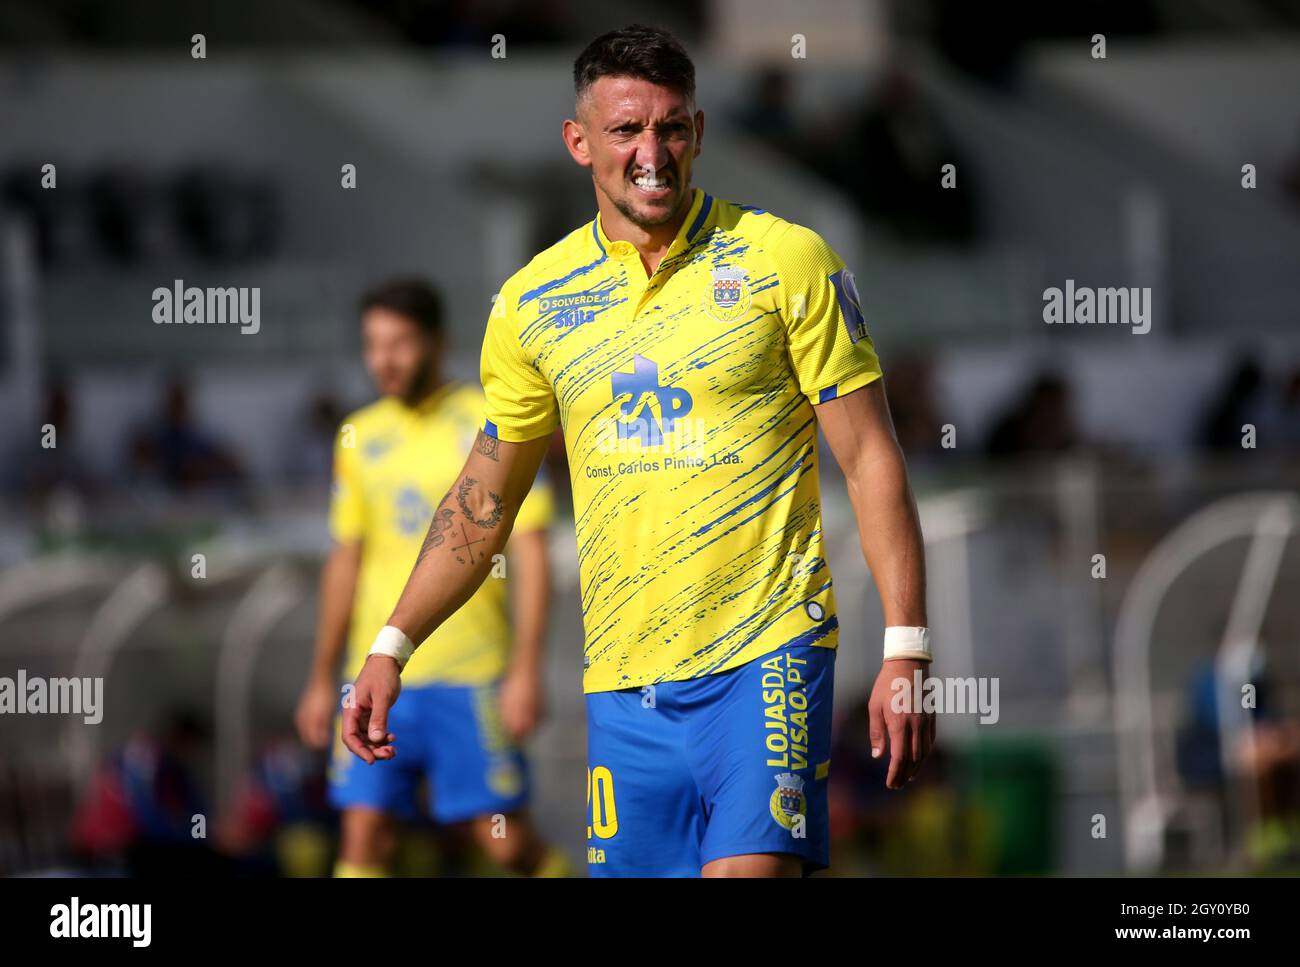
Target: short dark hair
(647,53)
(411,297)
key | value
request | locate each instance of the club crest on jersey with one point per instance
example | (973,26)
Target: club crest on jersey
(788,801)
(728,294)
(376,448)
(412,511)
(674,403)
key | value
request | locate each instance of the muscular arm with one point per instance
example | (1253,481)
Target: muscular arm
(471,523)
(861,435)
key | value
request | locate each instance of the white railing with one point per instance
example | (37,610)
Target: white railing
(1148,781)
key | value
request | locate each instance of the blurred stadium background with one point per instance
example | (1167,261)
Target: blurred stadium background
(1120,745)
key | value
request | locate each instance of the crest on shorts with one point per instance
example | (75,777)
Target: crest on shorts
(505,779)
(728,295)
(788,801)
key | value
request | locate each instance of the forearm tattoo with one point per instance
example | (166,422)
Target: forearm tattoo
(487,445)
(462,495)
(444,523)
(438,527)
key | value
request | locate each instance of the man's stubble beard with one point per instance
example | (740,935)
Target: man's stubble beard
(422,383)
(627,211)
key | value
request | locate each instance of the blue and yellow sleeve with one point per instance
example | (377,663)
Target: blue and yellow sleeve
(520,402)
(830,349)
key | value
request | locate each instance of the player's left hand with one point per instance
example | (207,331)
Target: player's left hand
(900,726)
(522,702)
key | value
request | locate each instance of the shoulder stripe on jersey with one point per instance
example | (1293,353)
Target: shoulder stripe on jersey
(699,219)
(828,393)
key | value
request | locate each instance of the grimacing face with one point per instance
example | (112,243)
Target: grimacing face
(639,139)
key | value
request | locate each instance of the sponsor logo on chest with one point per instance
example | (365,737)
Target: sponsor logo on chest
(574,308)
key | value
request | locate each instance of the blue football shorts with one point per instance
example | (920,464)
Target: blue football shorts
(450,734)
(683,773)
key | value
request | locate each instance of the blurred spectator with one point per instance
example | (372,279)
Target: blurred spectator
(892,167)
(1291,176)
(444,24)
(536,22)
(886,155)
(59,219)
(55,472)
(130,214)
(1289,414)
(139,810)
(910,388)
(1040,421)
(280,822)
(224,216)
(861,806)
(127,215)
(1275,413)
(179,454)
(1267,757)
(768,116)
(1241,401)
(473,22)
(991,49)
(310,449)
(936,829)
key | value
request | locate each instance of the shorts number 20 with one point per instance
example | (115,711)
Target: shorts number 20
(603,812)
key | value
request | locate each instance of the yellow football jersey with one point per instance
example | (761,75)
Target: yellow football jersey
(687,400)
(392,466)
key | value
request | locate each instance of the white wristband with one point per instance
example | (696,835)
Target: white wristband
(393,642)
(906,642)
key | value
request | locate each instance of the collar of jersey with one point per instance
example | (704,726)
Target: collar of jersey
(696,218)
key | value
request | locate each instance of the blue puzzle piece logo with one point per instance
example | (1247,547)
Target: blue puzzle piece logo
(674,403)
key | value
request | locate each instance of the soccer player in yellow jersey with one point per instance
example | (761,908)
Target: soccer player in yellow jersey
(470,698)
(690,348)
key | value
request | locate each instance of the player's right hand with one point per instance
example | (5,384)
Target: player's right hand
(365,716)
(315,713)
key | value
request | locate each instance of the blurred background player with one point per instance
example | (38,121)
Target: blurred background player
(471,696)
